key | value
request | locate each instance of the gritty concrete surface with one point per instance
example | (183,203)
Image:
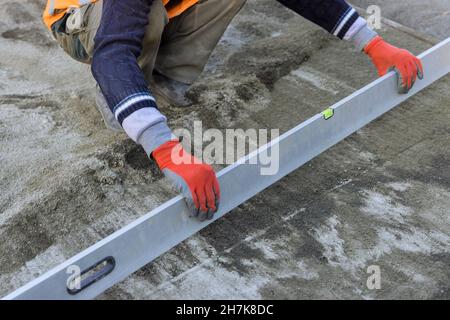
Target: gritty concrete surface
(430,17)
(381,197)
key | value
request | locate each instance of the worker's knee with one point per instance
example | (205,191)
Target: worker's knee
(157,20)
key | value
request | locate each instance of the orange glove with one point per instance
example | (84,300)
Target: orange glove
(387,57)
(192,178)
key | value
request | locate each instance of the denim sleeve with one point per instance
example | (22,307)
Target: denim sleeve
(118,44)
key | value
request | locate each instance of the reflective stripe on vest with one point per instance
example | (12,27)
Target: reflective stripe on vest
(51,7)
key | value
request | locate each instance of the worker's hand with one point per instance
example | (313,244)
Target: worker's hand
(387,57)
(192,178)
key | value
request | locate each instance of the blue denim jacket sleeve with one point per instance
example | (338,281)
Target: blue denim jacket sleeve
(118,45)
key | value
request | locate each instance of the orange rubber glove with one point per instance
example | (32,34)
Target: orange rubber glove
(192,178)
(386,57)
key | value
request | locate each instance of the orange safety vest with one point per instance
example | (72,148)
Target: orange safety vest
(56,9)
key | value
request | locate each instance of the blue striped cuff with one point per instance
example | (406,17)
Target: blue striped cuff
(133,103)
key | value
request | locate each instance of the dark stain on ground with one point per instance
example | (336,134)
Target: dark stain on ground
(27,31)
(235,261)
(443,261)
(77,203)
(276,10)
(433,171)
(195,92)
(221,234)
(288,288)
(116,293)
(28,101)
(137,159)
(33,36)
(315,216)
(439,170)
(273,58)
(128,161)
(248,90)
(251,28)
(23,238)
(443,287)
(170,262)
(443,292)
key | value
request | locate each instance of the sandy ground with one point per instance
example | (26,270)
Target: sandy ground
(430,17)
(381,197)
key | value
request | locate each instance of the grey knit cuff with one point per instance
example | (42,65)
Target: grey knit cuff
(155,136)
(363,37)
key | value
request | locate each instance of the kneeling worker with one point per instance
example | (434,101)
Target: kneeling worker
(132,44)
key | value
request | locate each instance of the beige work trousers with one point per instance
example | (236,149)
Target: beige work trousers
(178,48)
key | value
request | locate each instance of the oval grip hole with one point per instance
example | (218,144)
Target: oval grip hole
(91,275)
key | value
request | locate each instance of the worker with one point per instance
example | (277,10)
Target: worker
(134,45)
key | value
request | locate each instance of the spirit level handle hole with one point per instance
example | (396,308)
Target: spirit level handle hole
(91,275)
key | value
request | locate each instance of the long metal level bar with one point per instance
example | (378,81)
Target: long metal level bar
(142,241)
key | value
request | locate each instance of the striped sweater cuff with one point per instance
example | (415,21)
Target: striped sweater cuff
(138,112)
(133,103)
(345,23)
(352,27)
